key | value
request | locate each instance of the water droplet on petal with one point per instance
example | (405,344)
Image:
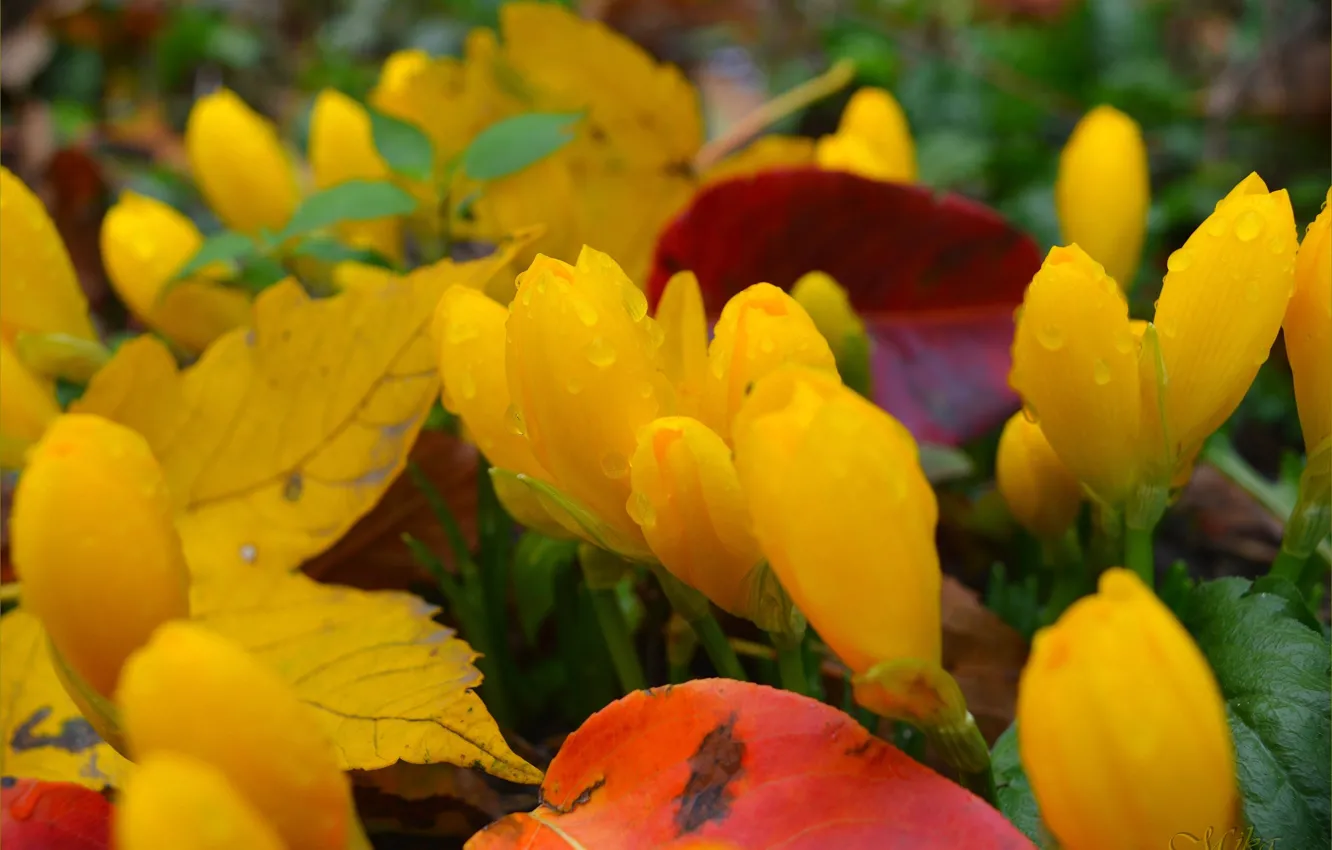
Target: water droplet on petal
(461,331)
(1276,244)
(248,553)
(1029,413)
(614,465)
(587,314)
(1180,260)
(527,296)
(635,303)
(574,386)
(641,511)
(466,385)
(1215,226)
(599,353)
(1050,337)
(1100,373)
(1167,326)
(767,346)
(1124,342)
(513,420)
(1248,226)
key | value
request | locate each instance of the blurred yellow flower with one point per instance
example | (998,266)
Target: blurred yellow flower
(100,580)
(144,243)
(872,139)
(1117,688)
(239,164)
(844,514)
(685,339)
(1308,326)
(27,406)
(1103,192)
(193,692)
(1040,491)
(174,800)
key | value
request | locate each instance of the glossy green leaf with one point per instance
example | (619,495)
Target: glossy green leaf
(355,200)
(535,562)
(1014,790)
(403,146)
(511,145)
(329,250)
(219,248)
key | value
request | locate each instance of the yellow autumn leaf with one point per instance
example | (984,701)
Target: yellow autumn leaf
(284,434)
(387,681)
(45,736)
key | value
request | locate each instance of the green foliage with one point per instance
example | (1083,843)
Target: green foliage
(223,247)
(536,562)
(1014,790)
(355,200)
(509,146)
(404,147)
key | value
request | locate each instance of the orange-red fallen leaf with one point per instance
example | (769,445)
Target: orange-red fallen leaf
(53,816)
(747,765)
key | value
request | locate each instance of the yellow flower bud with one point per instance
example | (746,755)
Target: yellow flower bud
(1221,306)
(844,514)
(193,692)
(687,499)
(100,579)
(1075,364)
(27,407)
(173,800)
(1308,327)
(1103,191)
(342,148)
(1040,491)
(872,139)
(144,243)
(684,327)
(39,291)
(760,329)
(1117,689)
(239,164)
(828,306)
(584,375)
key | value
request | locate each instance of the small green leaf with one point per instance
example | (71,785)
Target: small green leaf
(220,247)
(944,463)
(257,273)
(1013,790)
(355,200)
(515,143)
(403,146)
(535,563)
(329,250)
(1274,672)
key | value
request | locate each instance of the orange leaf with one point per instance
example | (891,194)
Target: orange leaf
(728,762)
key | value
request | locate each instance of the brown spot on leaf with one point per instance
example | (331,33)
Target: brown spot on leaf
(583,797)
(718,760)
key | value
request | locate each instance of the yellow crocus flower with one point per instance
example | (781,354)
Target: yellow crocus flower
(1103,191)
(1038,488)
(872,139)
(1117,688)
(1308,326)
(27,406)
(844,514)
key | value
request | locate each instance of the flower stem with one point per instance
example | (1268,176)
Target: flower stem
(1138,554)
(694,608)
(615,631)
(1288,566)
(964,748)
(791,664)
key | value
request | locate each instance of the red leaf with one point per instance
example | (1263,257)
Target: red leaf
(53,816)
(936,277)
(746,765)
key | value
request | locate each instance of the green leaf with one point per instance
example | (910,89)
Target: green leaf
(403,146)
(329,250)
(1013,790)
(355,200)
(515,143)
(220,247)
(1274,673)
(944,463)
(535,562)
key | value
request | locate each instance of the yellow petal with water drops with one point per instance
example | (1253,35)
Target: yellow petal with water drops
(585,375)
(688,501)
(27,407)
(760,329)
(144,242)
(684,339)
(179,801)
(1103,192)
(1075,365)
(872,139)
(239,164)
(342,148)
(284,434)
(1221,306)
(1308,327)
(44,735)
(39,291)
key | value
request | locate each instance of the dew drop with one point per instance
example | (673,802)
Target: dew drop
(587,314)
(641,511)
(1248,226)
(248,553)
(1124,342)
(1100,373)
(1167,326)
(1215,226)
(1029,413)
(466,385)
(461,331)
(527,296)
(635,303)
(614,465)
(1179,260)
(574,386)
(599,353)
(645,391)
(1050,337)
(767,346)
(513,420)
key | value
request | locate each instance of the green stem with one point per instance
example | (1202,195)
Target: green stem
(964,748)
(1107,541)
(1139,555)
(495,552)
(624,657)
(1289,566)
(791,664)
(694,608)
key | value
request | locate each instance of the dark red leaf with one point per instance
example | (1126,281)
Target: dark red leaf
(743,765)
(53,816)
(936,277)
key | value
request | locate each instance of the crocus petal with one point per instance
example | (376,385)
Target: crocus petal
(239,164)
(685,338)
(1221,306)
(39,291)
(872,139)
(687,499)
(173,800)
(1039,489)
(1308,327)
(1117,688)
(144,243)
(844,515)
(1103,191)
(1075,364)
(27,407)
